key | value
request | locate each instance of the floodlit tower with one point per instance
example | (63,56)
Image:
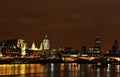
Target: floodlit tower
(22,46)
(45,45)
(33,46)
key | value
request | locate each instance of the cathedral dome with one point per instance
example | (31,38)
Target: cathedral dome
(45,45)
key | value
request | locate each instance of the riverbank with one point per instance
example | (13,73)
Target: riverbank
(45,61)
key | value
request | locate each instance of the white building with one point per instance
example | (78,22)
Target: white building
(33,46)
(22,45)
(45,45)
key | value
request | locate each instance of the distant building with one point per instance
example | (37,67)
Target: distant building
(43,50)
(97,45)
(96,49)
(33,46)
(13,47)
(45,45)
(115,46)
(22,45)
(83,50)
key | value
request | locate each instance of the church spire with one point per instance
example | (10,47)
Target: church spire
(33,46)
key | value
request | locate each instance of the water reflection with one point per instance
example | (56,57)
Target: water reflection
(52,67)
(20,69)
(98,72)
(118,70)
(58,70)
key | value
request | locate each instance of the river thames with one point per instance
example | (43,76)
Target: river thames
(58,70)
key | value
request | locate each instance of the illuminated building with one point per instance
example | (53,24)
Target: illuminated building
(33,46)
(97,45)
(1,52)
(96,49)
(13,47)
(45,45)
(22,45)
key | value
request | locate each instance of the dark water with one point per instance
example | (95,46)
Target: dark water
(58,70)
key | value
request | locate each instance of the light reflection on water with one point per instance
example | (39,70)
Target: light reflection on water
(58,70)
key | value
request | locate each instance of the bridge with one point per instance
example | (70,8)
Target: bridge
(91,59)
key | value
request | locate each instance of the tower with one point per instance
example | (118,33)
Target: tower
(83,49)
(97,45)
(115,47)
(33,46)
(22,46)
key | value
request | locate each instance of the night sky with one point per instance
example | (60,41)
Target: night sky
(67,22)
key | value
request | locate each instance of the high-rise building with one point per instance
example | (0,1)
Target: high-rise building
(115,47)
(83,49)
(97,46)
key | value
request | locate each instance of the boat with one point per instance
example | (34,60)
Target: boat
(100,65)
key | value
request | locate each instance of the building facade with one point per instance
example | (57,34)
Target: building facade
(13,47)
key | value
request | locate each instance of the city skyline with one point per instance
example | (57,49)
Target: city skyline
(67,22)
(45,44)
